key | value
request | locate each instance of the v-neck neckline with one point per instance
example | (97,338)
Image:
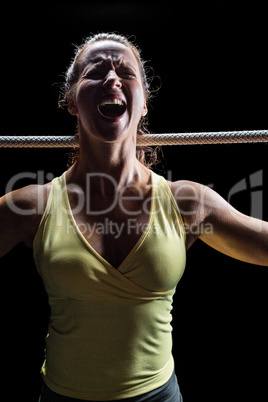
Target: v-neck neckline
(90,247)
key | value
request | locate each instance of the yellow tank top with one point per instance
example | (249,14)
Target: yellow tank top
(109,334)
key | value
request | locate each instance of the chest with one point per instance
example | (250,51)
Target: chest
(139,238)
(112,226)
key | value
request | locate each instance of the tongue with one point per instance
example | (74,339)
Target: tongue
(112,110)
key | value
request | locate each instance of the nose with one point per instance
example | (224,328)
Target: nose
(112,80)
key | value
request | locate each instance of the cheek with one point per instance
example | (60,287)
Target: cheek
(84,96)
(138,100)
(81,97)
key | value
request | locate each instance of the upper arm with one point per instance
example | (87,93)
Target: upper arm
(20,214)
(233,233)
(212,219)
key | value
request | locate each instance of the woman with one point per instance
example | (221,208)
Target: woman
(110,237)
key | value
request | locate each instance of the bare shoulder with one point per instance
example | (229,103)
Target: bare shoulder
(196,202)
(26,201)
(186,186)
(20,214)
(188,194)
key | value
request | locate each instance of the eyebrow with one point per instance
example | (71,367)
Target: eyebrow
(100,60)
(97,59)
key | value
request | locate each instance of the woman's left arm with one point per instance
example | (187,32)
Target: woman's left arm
(233,233)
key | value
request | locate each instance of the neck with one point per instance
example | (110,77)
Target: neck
(112,165)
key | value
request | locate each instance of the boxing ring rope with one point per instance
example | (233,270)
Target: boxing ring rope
(221,137)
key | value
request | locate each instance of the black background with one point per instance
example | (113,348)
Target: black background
(212,60)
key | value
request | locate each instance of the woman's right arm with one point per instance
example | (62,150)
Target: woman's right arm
(20,214)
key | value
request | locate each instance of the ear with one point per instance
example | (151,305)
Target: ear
(72,108)
(145,110)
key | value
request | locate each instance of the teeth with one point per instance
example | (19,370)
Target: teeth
(112,102)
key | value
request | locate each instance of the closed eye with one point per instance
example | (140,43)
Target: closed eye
(125,72)
(100,73)
(128,73)
(95,74)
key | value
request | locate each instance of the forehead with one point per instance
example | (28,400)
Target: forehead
(108,50)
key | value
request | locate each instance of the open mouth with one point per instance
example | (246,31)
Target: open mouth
(112,108)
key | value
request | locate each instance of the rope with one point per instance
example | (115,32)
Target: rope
(222,137)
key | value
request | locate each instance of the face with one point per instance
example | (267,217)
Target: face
(109,97)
